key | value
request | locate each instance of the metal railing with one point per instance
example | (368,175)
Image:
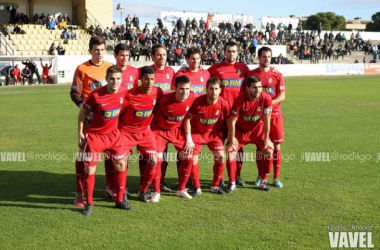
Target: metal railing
(91,20)
(8,48)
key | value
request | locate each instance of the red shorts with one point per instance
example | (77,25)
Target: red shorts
(174,136)
(97,143)
(145,141)
(256,136)
(213,142)
(276,133)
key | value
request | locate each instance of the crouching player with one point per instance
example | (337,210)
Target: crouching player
(245,126)
(167,126)
(105,103)
(204,122)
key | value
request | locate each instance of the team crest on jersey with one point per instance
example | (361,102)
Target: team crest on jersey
(154,102)
(187,108)
(131,78)
(259,108)
(239,72)
(167,76)
(270,80)
(217,112)
(121,100)
(202,79)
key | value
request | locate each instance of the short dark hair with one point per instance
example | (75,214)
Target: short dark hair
(251,80)
(229,44)
(95,40)
(181,80)
(113,69)
(119,47)
(192,51)
(146,70)
(262,49)
(156,47)
(213,80)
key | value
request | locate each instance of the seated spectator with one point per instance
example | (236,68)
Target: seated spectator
(61,51)
(17,29)
(17,75)
(45,72)
(62,24)
(50,24)
(25,73)
(280,59)
(53,49)
(72,34)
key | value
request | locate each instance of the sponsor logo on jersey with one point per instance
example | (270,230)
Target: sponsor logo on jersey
(98,84)
(128,85)
(197,89)
(268,89)
(232,83)
(111,113)
(208,121)
(164,86)
(175,118)
(251,118)
(143,113)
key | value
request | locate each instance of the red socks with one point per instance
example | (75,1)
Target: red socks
(195,176)
(277,159)
(218,173)
(89,181)
(120,181)
(184,173)
(157,176)
(149,174)
(79,176)
(231,170)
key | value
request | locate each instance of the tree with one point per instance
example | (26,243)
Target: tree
(329,21)
(375,24)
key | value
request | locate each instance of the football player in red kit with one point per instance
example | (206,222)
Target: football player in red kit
(198,77)
(249,123)
(232,75)
(167,126)
(102,134)
(135,124)
(89,76)
(272,84)
(204,122)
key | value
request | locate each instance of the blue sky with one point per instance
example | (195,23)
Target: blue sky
(148,10)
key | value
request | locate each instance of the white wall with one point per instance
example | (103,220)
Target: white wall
(53,7)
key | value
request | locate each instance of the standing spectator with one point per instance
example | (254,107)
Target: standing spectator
(7,72)
(180,24)
(319,30)
(128,21)
(202,24)
(13,13)
(33,70)
(136,22)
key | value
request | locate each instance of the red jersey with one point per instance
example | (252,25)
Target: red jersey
(45,70)
(130,77)
(88,77)
(170,112)
(163,78)
(16,72)
(249,112)
(197,80)
(273,85)
(105,108)
(206,117)
(138,109)
(232,76)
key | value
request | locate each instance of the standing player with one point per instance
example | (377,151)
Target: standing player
(135,125)
(45,71)
(102,134)
(164,76)
(87,77)
(232,75)
(204,122)
(198,77)
(250,123)
(129,80)
(273,84)
(167,126)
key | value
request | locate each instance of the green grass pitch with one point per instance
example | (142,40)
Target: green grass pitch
(333,117)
